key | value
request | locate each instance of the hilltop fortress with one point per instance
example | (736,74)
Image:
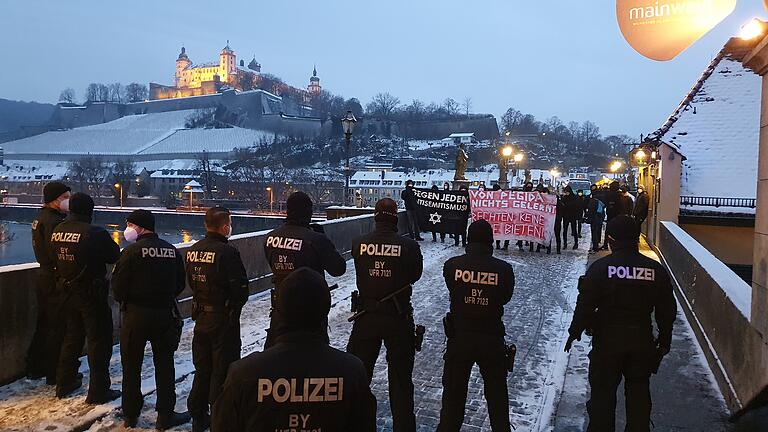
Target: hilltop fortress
(212,77)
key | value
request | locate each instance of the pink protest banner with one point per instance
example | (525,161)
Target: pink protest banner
(528,216)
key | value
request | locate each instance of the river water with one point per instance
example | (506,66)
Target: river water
(19,250)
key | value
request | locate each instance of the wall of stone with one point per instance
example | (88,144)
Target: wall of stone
(18,304)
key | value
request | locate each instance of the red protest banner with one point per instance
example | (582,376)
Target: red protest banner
(528,216)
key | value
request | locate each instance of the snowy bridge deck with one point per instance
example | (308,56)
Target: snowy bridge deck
(536,320)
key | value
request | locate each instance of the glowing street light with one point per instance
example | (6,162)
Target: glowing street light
(348,124)
(615,166)
(507,151)
(752,29)
(269,189)
(120,188)
(519,157)
(554,173)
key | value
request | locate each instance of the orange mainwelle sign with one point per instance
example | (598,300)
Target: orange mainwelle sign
(662,29)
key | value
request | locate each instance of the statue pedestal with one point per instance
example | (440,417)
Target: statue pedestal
(457,184)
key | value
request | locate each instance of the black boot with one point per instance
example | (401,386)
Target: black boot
(199,424)
(130,422)
(171,419)
(108,396)
(576,245)
(67,389)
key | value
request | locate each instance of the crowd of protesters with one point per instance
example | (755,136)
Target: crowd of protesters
(575,208)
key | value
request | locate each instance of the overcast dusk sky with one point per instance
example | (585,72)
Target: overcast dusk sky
(544,57)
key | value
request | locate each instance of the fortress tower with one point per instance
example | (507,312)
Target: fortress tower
(314,83)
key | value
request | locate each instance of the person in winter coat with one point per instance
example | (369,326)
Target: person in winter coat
(594,216)
(572,211)
(409,199)
(642,201)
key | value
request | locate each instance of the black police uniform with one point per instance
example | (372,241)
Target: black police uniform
(219,285)
(385,262)
(479,286)
(146,280)
(616,299)
(299,384)
(43,354)
(80,251)
(290,247)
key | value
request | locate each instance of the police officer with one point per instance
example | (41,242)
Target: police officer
(43,353)
(219,285)
(386,265)
(300,383)
(146,280)
(616,299)
(298,243)
(479,286)
(80,252)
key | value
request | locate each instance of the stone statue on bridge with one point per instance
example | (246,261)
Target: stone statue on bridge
(462,159)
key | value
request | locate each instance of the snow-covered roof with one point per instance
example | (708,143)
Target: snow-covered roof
(717,128)
(461,135)
(27,171)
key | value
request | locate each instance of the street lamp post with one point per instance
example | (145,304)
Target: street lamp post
(269,189)
(120,187)
(348,124)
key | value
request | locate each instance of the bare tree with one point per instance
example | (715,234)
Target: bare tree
(135,92)
(122,172)
(67,95)
(115,92)
(92,93)
(207,173)
(382,105)
(451,106)
(467,105)
(511,119)
(90,173)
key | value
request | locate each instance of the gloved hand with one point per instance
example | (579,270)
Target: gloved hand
(569,343)
(661,351)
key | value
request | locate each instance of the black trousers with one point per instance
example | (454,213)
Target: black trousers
(277,327)
(397,333)
(160,329)
(573,225)
(215,345)
(88,318)
(606,369)
(43,353)
(597,233)
(464,350)
(413,224)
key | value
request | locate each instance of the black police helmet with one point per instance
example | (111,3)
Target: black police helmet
(480,231)
(304,299)
(81,204)
(623,229)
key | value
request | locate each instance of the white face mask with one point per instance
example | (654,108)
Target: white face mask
(64,205)
(130,235)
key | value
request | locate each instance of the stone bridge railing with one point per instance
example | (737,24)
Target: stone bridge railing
(18,303)
(717,303)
